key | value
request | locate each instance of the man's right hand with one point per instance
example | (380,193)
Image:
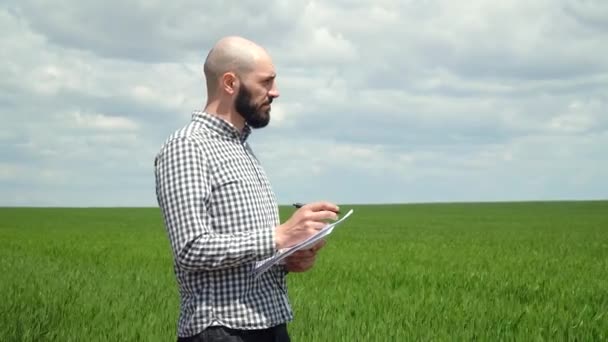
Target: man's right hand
(305,222)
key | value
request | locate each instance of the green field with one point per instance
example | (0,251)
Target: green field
(494,271)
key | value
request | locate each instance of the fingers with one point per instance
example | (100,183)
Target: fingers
(303,260)
(312,222)
(322,215)
(306,221)
(303,253)
(299,266)
(322,206)
(319,245)
(314,226)
(308,253)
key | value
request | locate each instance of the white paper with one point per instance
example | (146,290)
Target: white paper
(266,264)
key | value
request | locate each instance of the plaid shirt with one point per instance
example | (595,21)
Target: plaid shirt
(220,213)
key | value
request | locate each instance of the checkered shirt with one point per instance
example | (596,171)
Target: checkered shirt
(220,213)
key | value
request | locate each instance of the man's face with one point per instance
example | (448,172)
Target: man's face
(256,112)
(256,92)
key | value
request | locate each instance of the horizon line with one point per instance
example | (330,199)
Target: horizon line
(341,204)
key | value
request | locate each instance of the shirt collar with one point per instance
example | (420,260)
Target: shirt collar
(221,126)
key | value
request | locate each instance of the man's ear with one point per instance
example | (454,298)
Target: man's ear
(230,83)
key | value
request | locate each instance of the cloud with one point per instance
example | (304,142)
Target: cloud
(151,31)
(380,100)
(102,122)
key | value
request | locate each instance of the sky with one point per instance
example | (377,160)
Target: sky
(381,101)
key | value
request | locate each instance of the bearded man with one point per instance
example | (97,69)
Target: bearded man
(220,212)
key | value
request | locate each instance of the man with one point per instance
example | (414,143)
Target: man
(219,209)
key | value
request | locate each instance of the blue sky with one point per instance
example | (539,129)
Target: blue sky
(381,101)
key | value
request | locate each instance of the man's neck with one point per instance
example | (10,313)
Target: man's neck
(227,113)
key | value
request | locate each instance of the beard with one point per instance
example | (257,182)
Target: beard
(253,114)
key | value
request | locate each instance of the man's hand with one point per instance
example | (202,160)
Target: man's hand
(304,260)
(305,222)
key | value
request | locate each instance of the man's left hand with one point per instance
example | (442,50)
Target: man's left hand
(302,261)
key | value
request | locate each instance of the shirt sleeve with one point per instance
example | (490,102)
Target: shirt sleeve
(183,189)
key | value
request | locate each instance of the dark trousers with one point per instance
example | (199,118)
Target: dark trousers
(223,334)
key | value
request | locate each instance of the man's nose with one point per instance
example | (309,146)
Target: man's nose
(274,92)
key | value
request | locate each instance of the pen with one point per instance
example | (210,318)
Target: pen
(300,205)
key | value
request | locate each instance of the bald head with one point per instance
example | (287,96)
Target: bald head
(240,82)
(231,54)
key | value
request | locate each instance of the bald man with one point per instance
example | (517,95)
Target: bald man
(220,211)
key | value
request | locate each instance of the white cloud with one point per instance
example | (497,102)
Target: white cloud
(9,171)
(580,117)
(102,122)
(380,100)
